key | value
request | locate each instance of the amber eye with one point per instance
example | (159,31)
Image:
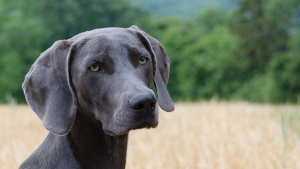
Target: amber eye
(143,60)
(95,67)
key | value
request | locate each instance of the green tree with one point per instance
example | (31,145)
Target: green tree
(264,28)
(285,68)
(203,56)
(29,27)
(213,17)
(175,35)
(211,68)
(20,44)
(66,18)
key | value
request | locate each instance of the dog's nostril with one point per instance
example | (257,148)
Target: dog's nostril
(152,105)
(139,107)
(142,102)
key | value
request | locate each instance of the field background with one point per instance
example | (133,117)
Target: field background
(219,50)
(204,135)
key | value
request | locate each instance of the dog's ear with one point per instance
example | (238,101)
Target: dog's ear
(48,89)
(161,68)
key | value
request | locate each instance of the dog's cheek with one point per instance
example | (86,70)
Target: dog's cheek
(84,95)
(121,114)
(104,107)
(146,74)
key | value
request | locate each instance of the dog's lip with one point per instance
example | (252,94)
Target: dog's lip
(109,132)
(142,125)
(115,134)
(145,124)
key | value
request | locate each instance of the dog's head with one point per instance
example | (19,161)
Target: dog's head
(104,73)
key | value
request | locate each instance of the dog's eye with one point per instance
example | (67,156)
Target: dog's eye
(143,60)
(95,67)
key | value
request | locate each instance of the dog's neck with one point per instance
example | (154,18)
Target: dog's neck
(93,148)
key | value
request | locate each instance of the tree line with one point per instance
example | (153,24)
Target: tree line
(250,53)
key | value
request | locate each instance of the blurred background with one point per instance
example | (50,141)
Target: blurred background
(222,49)
(238,61)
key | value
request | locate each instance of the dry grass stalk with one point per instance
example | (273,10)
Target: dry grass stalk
(199,135)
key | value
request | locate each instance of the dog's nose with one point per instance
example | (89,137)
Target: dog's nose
(142,102)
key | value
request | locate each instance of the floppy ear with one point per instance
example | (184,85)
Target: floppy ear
(161,67)
(48,90)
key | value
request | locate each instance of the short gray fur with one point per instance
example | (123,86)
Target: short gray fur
(89,113)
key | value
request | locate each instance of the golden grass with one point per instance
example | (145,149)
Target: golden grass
(199,135)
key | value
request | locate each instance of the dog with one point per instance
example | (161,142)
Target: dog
(90,91)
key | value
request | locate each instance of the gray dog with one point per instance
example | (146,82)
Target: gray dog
(90,91)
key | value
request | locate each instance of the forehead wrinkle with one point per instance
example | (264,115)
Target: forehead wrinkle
(100,44)
(98,48)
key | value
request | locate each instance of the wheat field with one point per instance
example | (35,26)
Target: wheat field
(205,135)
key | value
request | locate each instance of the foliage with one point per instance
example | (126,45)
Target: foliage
(285,67)
(249,53)
(67,18)
(19,47)
(26,30)
(182,9)
(267,42)
(263,26)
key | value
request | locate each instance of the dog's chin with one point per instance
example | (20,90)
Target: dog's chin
(142,125)
(145,125)
(110,133)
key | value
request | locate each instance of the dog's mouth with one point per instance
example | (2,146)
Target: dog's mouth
(142,125)
(139,126)
(110,133)
(115,134)
(146,125)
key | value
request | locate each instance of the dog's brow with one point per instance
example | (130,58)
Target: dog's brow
(105,61)
(92,58)
(135,53)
